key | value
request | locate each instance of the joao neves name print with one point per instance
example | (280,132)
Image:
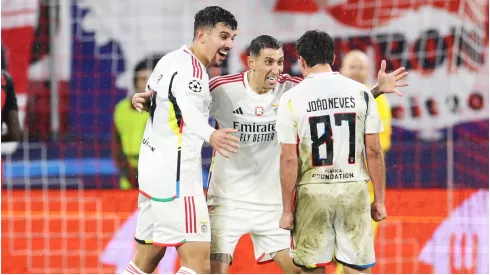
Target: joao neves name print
(331,103)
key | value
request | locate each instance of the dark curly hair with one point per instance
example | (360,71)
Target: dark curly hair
(210,16)
(316,47)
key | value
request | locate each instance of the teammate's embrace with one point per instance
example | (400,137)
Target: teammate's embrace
(172,206)
(244,191)
(336,120)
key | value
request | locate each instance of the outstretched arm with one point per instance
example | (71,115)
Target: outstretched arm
(389,83)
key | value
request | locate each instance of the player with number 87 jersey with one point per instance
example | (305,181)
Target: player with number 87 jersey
(333,121)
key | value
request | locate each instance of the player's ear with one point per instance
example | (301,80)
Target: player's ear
(200,35)
(251,62)
(302,63)
(333,60)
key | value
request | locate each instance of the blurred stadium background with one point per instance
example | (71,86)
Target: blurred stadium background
(72,61)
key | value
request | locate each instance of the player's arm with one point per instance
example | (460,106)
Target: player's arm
(189,101)
(14,132)
(384,111)
(375,160)
(141,101)
(388,83)
(287,137)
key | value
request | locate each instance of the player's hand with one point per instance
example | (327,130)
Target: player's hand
(141,101)
(286,221)
(223,142)
(378,211)
(388,83)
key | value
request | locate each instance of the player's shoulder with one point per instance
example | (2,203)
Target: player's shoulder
(288,79)
(187,64)
(222,83)
(339,79)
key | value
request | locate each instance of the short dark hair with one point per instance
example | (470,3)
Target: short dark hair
(316,47)
(210,16)
(147,63)
(263,42)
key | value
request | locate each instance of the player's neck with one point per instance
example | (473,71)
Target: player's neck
(197,52)
(256,87)
(318,69)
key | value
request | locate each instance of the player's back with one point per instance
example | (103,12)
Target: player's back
(170,154)
(331,113)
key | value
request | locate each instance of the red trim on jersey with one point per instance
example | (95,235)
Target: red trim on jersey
(186,215)
(215,80)
(222,81)
(170,244)
(196,66)
(285,77)
(219,78)
(243,80)
(194,214)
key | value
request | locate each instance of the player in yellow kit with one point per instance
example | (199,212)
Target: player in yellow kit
(355,65)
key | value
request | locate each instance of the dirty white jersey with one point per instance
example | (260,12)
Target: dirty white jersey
(250,178)
(330,114)
(170,154)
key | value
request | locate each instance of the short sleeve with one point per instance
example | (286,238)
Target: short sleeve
(373,122)
(155,82)
(286,127)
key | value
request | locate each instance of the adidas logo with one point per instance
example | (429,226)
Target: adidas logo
(238,111)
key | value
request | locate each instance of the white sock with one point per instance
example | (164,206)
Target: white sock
(132,269)
(185,270)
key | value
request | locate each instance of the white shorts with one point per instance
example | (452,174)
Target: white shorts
(172,223)
(229,224)
(332,218)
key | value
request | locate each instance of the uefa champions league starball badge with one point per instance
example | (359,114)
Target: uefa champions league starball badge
(195,86)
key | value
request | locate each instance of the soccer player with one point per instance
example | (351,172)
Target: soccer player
(172,206)
(244,192)
(330,119)
(355,65)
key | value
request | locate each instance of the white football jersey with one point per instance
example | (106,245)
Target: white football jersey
(250,178)
(170,153)
(330,114)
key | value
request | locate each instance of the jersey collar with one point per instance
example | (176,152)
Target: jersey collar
(187,50)
(322,74)
(251,92)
